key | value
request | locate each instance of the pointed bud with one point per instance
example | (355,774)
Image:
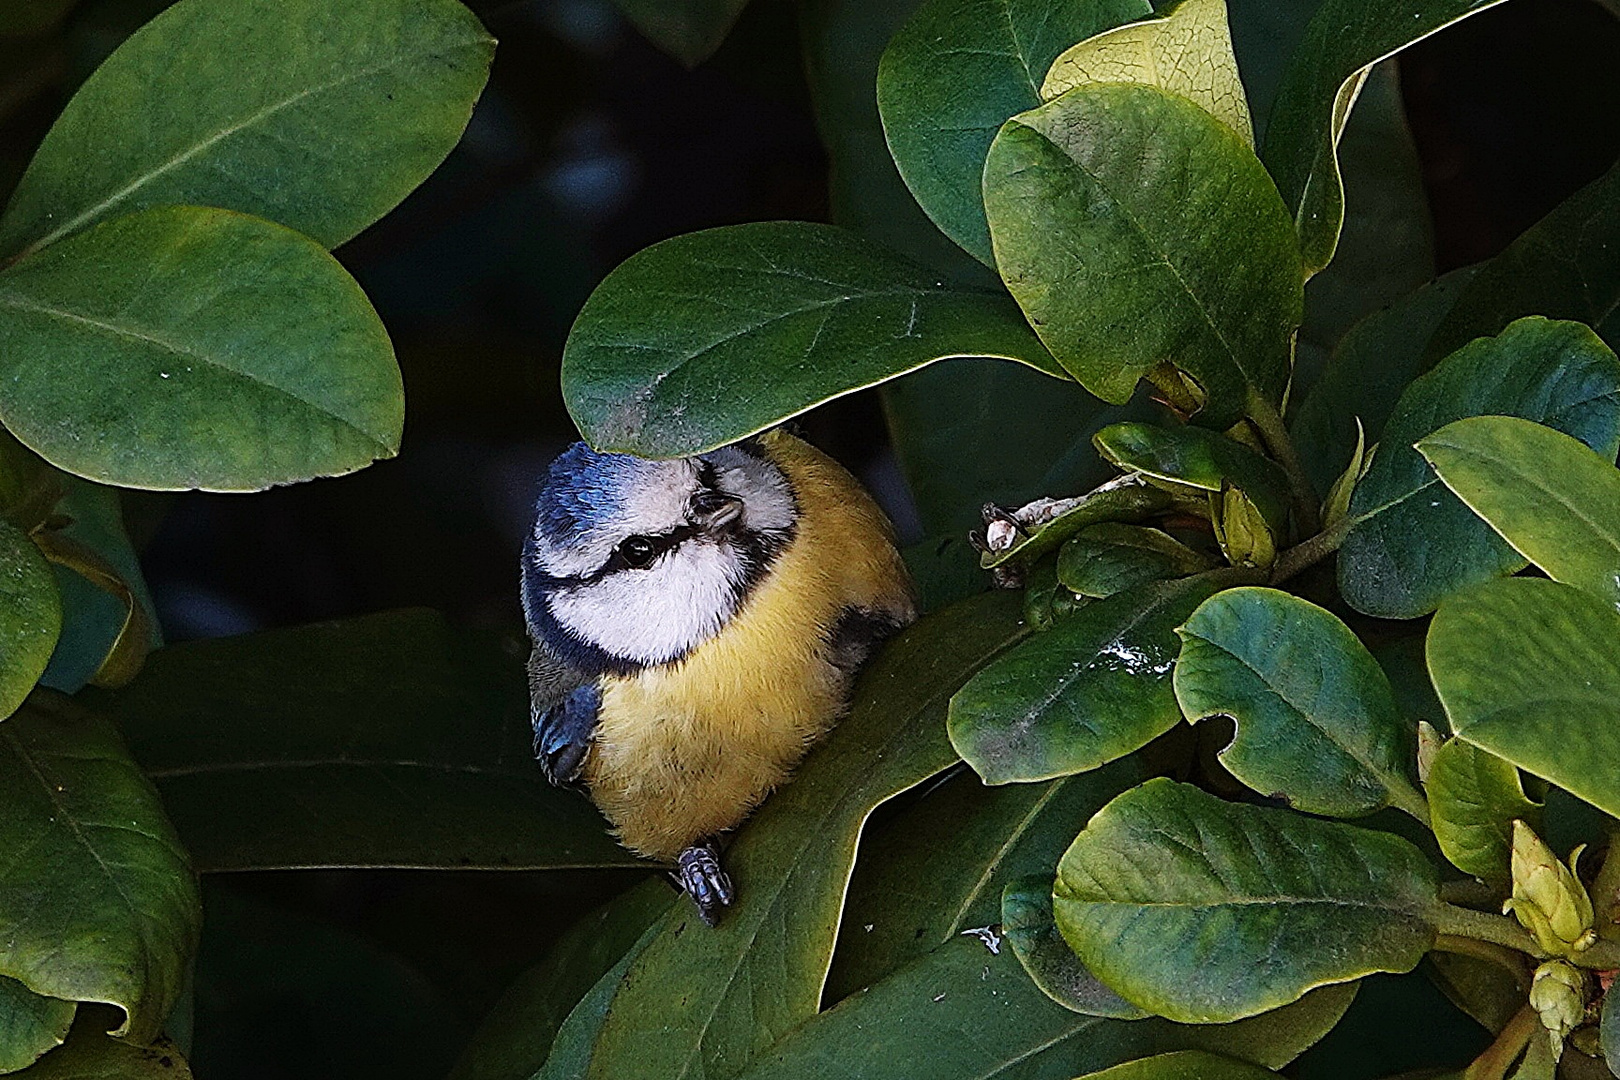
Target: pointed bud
(1548,899)
(1558,994)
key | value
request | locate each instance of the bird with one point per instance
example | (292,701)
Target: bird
(696,625)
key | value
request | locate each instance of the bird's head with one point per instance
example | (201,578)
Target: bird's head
(633,562)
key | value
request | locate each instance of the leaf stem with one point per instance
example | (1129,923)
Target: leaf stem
(1453,921)
(1498,1057)
(1410,800)
(1510,959)
(1272,429)
(1304,555)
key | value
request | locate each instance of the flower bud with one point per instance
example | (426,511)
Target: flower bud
(1558,994)
(1548,899)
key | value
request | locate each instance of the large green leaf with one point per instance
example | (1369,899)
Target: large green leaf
(515,1037)
(1317,723)
(30,1025)
(1563,267)
(954,73)
(1372,364)
(1548,495)
(1527,670)
(689,30)
(91,1054)
(1207,911)
(1030,930)
(30,616)
(1112,557)
(711,336)
(1414,542)
(967,1013)
(184,347)
(937,869)
(1183,1065)
(386,740)
(340,119)
(765,965)
(1474,798)
(573,1047)
(1199,458)
(1093,688)
(1343,40)
(97,899)
(1134,229)
(1186,49)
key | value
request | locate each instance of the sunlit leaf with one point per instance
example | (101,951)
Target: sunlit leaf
(30,616)
(1474,798)
(1031,932)
(30,1025)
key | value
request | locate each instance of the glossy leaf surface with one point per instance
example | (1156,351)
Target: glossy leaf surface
(97,899)
(342,119)
(385,740)
(954,73)
(1414,541)
(1032,934)
(184,347)
(708,337)
(1343,40)
(970,1014)
(791,866)
(1093,688)
(1111,557)
(1183,1065)
(1527,671)
(1474,797)
(1549,495)
(1317,723)
(30,616)
(1199,458)
(1186,50)
(30,1025)
(1208,911)
(1116,212)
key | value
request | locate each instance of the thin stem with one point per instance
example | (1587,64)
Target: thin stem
(1406,798)
(1510,959)
(1272,429)
(1454,921)
(1307,554)
(1470,893)
(1510,1042)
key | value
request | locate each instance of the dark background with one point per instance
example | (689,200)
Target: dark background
(588,145)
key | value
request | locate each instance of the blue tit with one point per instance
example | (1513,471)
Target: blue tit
(696,626)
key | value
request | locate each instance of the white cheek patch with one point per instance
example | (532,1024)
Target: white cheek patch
(652,503)
(655,615)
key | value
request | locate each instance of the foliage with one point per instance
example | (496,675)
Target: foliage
(1266,465)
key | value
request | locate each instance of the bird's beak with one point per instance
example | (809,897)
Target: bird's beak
(715,511)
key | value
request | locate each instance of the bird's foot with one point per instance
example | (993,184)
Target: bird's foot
(698,873)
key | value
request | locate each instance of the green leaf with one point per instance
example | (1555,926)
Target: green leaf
(969,1014)
(1364,378)
(1110,558)
(1117,213)
(574,1046)
(184,347)
(1609,1028)
(1527,671)
(97,899)
(688,30)
(516,1035)
(342,118)
(1343,41)
(791,866)
(1317,723)
(1202,459)
(1206,911)
(1031,932)
(30,1025)
(936,870)
(708,337)
(954,73)
(1474,798)
(1093,688)
(386,740)
(30,616)
(1548,495)
(1125,498)
(1414,542)
(1186,49)
(91,1054)
(1183,1065)
(1563,267)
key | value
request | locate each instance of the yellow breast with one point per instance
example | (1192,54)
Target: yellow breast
(684,751)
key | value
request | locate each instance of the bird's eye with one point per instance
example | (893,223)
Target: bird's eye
(637,551)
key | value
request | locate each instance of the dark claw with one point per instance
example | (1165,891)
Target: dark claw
(698,873)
